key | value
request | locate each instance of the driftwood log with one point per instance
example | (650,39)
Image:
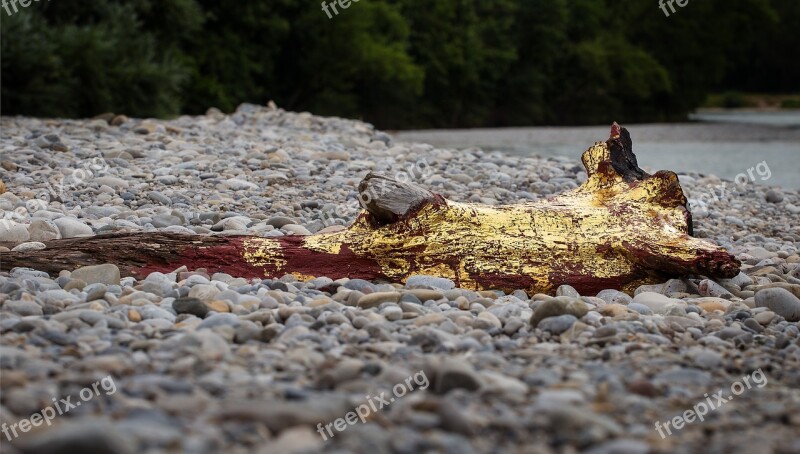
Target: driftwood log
(619,229)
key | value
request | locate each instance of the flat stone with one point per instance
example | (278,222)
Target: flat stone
(376,299)
(421,280)
(28,247)
(712,304)
(657,302)
(113,182)
(240,185)
(159,198)
(23,308)
(98,274)
(296,229)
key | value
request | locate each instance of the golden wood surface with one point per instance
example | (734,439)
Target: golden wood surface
(619,229)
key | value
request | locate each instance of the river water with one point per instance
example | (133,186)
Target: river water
(726,144)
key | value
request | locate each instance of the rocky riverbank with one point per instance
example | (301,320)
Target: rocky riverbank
(205,362)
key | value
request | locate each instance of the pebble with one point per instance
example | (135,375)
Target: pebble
(240,185)
(430,281)
(159,198)
(29,246)
(43,230)
(378,298)
(657,302)
(107,274)
(23,308)
(451,375)
(280,221)
(296,229)
(558,306)
(764,317)
(13,232)
(190,306)
(557,324)
(219,319)
(640,308)
(566,290)
(774,196)
(710,305)
(204,292)
(781,302)
(71,228)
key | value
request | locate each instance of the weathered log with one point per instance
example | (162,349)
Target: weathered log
(619,229)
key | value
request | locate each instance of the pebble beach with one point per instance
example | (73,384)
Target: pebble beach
(205,362)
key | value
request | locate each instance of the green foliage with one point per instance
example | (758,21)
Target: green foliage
(64,60)
(466,48)
(354,65)
(397,63)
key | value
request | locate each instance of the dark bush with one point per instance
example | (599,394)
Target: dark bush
(396,63)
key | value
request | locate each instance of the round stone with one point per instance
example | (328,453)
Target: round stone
(780,301)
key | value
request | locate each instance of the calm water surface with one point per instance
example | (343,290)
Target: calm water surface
(725,144)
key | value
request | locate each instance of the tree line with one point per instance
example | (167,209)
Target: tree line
(396,63)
